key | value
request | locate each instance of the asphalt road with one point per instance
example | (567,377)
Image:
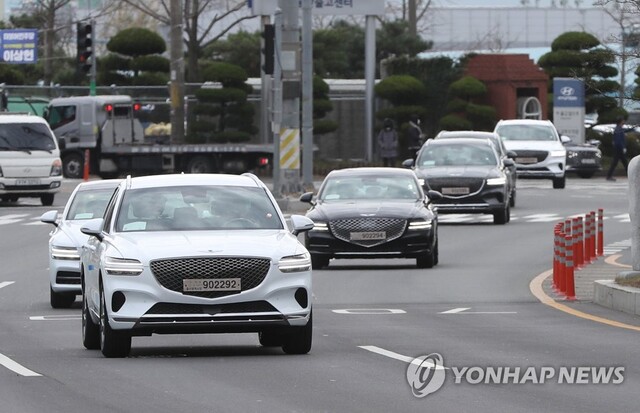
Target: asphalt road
(371,318)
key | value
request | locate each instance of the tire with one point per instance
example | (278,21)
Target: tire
(61,300)
(113,343)
(47,199)
(512,199)
(319,262)
(586,174)
(73,166)
(559,183)
(270,339)
(298,340)
(90,330)
(199,165)
(502,217)
(436,254)
(428,260)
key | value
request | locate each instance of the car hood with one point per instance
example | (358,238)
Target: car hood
(68,234)
(146,246)
(468,171)
(533,145)
(582,147)
(366,208)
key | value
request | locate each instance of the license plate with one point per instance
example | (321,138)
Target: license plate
(589,161)
(526,160)
(221,284)
(27,182)
(364,236)
(455,191)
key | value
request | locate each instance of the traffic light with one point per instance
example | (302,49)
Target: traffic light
(268,48)
(85,47)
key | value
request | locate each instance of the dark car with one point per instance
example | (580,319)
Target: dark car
(372,213)
(584,159)
(502,151)
(468,173)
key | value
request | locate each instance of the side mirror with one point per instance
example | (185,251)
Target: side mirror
(62,143)
(565,139)
(300,224)
(93,228)
(50,217)
(307,197)
(408,163)
(434,195)
(508,162)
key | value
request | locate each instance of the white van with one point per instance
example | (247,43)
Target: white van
(30,164)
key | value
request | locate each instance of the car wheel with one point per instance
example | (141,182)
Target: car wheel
(270,339)
(586,175)
(113,343)
(502,217)
(73,166)
(558,183)
(436,258)
(199,165)
(47,199)
(512,199)
(319,262)
(61,300)
(427,260)
(298,339)
(90,330)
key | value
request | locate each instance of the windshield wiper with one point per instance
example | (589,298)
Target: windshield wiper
(35,148)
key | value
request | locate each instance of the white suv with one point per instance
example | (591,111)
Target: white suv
(195,253)
(540,152)
(30,163)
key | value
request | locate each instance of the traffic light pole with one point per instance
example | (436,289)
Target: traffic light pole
(92,78)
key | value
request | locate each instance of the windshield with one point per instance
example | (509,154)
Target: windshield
(26,136)
(456,155)
(370,187)
(183,208)
(526,133)
(89,204)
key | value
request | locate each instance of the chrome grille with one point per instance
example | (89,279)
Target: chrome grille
(474,184)
(170,273)
(393,228)
(539,155)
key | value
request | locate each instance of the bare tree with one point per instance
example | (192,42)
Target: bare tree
(48,10)
(205,21)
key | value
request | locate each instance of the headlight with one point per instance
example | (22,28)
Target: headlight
(122,266)
(558,153)
(64,253)
(497,181)
(295,263)
(56,168)
(320,226)
(420,224)
(572,154)
(598,154)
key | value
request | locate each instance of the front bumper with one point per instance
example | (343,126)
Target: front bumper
(14,186)
(488,201)
(140,304)
(64,276)
(550,168)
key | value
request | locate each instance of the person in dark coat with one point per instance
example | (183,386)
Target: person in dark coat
(414,135)
(619,149)
(388,143)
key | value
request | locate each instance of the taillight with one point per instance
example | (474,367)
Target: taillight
(263,161)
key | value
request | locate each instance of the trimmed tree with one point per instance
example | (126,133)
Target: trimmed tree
(321,107)
(465,111)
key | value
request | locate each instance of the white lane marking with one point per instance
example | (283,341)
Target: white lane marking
(464,311)
(369,311)
(396,356)
(17,368)
(54,317)
(6,283)
(455,310)
(542,217)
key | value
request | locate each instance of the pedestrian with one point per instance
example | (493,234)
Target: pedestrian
(415,135)
(619,149)
(388,143)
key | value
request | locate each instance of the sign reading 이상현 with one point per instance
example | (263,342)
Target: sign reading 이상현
(19,46)
(327,7)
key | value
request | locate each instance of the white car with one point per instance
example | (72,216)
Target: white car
(540,152)
(195,253)
(87,201)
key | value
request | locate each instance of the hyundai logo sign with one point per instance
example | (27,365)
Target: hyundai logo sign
(567,91)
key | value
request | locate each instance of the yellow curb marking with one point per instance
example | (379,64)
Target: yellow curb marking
(613,260)
(536,289)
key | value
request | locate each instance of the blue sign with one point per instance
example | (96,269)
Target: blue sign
(568,92)
(19,46)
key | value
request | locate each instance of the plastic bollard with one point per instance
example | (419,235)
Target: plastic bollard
(561,263)
(570,289)
(600,232)
(556,247)
(593,236)
(580,256)
(587,238)
(85,174)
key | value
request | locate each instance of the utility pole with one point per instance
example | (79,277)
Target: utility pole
(177,72)
(307,95)
(413,20)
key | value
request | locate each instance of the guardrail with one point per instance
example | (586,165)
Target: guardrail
(577,242)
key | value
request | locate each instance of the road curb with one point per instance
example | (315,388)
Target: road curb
(609,294)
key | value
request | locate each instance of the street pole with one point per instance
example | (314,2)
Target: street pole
(265,84)
(307,95)
(276,119)
(177,73)
(369,74)
(94,60)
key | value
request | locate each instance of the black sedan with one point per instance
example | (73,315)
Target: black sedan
(584,159)
(468,173)
(372,213)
